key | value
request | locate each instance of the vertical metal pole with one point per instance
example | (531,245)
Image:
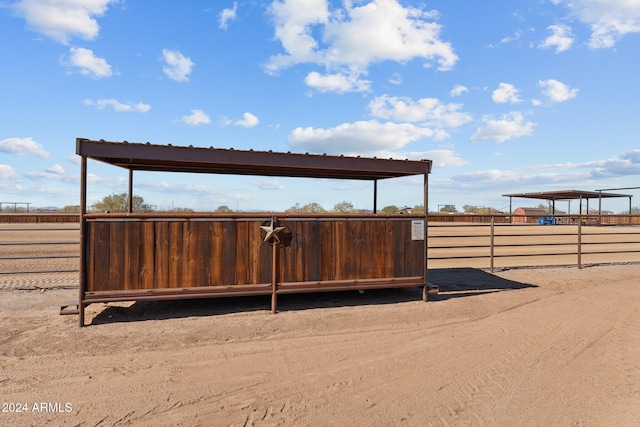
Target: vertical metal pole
(130,202)
(600,203)
(492,240)
(375,196)
(425,289)
(580,241)
(510,210)
(83,239)
(274,277)
(581,205)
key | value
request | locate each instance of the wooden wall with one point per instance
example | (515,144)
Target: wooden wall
(144,254)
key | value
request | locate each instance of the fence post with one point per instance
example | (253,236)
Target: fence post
(579,241)
(492,240)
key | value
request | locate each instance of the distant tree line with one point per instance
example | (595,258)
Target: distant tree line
(115,203)
(118,202)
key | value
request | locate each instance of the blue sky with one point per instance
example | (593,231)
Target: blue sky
(504,97)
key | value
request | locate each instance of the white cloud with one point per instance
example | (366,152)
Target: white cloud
(117,105)
(427,111)
(56,169)
(23,146)
(61,20)
(458,90)
(7,172)
(565,174)
(609,20)
(444,158)
(492,175)
(339,83)
(196,118)
(74,158)
(395,79)
(228,15)
(627,164)
(508,39)
(89,64)
(248,120)
(509,126)
(178,67)
(351,38)
(368,138)
(561,38)
(506,93)
(556,91)
(269,185)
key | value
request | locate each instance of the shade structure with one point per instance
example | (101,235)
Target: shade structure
(567,195)
(140,257)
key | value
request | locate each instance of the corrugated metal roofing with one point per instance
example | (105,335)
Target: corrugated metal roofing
(168,158)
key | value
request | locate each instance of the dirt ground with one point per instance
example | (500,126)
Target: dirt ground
(521,347)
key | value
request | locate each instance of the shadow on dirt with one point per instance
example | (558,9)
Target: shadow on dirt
(461,282)
(453,283)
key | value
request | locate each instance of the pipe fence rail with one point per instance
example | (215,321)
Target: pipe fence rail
(30,246)
(454,241)
(508,241)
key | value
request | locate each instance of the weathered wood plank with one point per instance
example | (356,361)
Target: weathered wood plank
(312,250)
(176,256)
(196,251)
(254,252)
(147,253)
(386,245)
(229,230)
(115,257)
(265,260)
(132,242)
(242,252)
(378,236)
(161,258)
(91,255)
(327,251)
(101,247)
(399,236)
(216,266)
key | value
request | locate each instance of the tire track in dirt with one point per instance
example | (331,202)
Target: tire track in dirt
(483,401)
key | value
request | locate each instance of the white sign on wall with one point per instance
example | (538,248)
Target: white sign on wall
(417,229)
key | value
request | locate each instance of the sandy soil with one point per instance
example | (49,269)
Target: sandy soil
(521,347)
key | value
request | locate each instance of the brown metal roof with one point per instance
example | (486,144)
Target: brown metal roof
(566,195)
(168,158)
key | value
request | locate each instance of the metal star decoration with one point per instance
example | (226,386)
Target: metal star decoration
(272,231)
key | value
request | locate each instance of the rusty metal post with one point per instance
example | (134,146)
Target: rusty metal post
(375,196)
(425,289)
(83,239)
(579,241)
(130,197)
(492,241)
(274,278)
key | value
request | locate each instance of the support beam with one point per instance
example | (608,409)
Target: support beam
(425,289)
(83,239)
(130,202)
(375,196)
